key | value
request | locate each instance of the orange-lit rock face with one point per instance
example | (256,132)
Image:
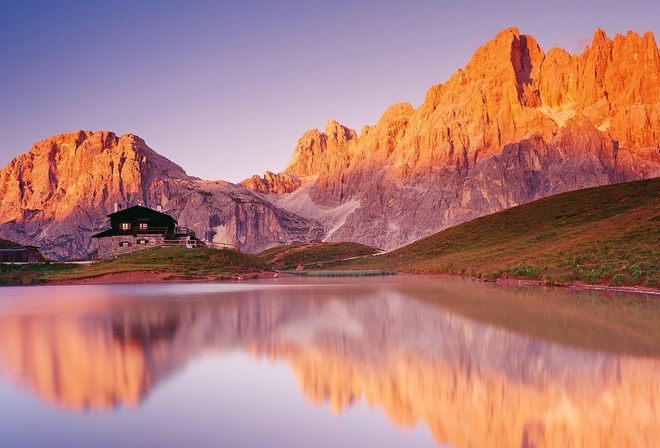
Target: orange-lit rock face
(58,194)
(467,405)
(74,367)
(86,361)
(471,383)
(509,91)
(272,183)
(62,170)
(319,152)
(513,126)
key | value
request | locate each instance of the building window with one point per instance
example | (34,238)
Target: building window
(125,225)
(143,241)
(124,244)
(143,226)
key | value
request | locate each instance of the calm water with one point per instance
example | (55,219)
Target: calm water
(371,362)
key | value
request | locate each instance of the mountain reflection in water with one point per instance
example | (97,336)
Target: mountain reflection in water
(478,364)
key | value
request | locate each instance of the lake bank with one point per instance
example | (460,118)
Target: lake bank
(138,277)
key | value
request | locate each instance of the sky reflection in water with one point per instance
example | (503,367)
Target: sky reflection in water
(307,362)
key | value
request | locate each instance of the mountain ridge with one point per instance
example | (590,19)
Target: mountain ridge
(514,125)
(59,193)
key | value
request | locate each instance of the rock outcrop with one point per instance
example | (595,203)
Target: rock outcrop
(58,194)
(273,183)
(513,126)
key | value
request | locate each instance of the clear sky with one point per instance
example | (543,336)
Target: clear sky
(225,89)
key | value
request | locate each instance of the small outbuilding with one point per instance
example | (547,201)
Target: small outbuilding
(137,228)
(11,252)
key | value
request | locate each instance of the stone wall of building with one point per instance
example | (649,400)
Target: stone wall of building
(111,246)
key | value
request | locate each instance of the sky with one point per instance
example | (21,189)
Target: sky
(226,89)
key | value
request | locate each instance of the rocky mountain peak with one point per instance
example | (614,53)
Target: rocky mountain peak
(58,194)
(593,117)
(340,133)
(320,152)
(58,170)
(279,183)
(514,125)
(600,41)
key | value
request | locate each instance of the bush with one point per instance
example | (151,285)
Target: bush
(593,274)
(526,271)
(636,273)
(619,279)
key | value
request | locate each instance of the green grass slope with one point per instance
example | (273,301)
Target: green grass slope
(169,263)
(313,255)
(605,235)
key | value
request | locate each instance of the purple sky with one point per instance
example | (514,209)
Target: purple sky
(226,90)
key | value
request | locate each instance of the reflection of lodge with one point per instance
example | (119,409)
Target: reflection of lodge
(137,228)
(472,384)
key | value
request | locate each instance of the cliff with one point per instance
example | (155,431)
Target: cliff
(513,126)
(58,194)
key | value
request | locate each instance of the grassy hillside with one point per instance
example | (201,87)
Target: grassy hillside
(169,263)
(312,255)
(605,235)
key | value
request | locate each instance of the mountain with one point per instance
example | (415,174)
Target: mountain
(515,125)
(58,194)
(602,235)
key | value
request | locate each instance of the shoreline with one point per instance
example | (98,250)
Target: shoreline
(528,282)
(150,276)
(579,286)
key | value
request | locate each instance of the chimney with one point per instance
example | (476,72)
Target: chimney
(159,208)
(116,207)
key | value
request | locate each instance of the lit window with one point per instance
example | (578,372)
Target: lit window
(124,244)
(142,241)
(125,226)
(143,226)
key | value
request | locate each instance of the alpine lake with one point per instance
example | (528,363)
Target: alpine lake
(394,361)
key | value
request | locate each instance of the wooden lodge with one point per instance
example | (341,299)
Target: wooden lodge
(138,227)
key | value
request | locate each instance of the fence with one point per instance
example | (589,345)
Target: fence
(198,243)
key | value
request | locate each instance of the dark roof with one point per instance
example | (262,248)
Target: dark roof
(157,221)
(19,248)
(6,244)
(109,232)
(139,211)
